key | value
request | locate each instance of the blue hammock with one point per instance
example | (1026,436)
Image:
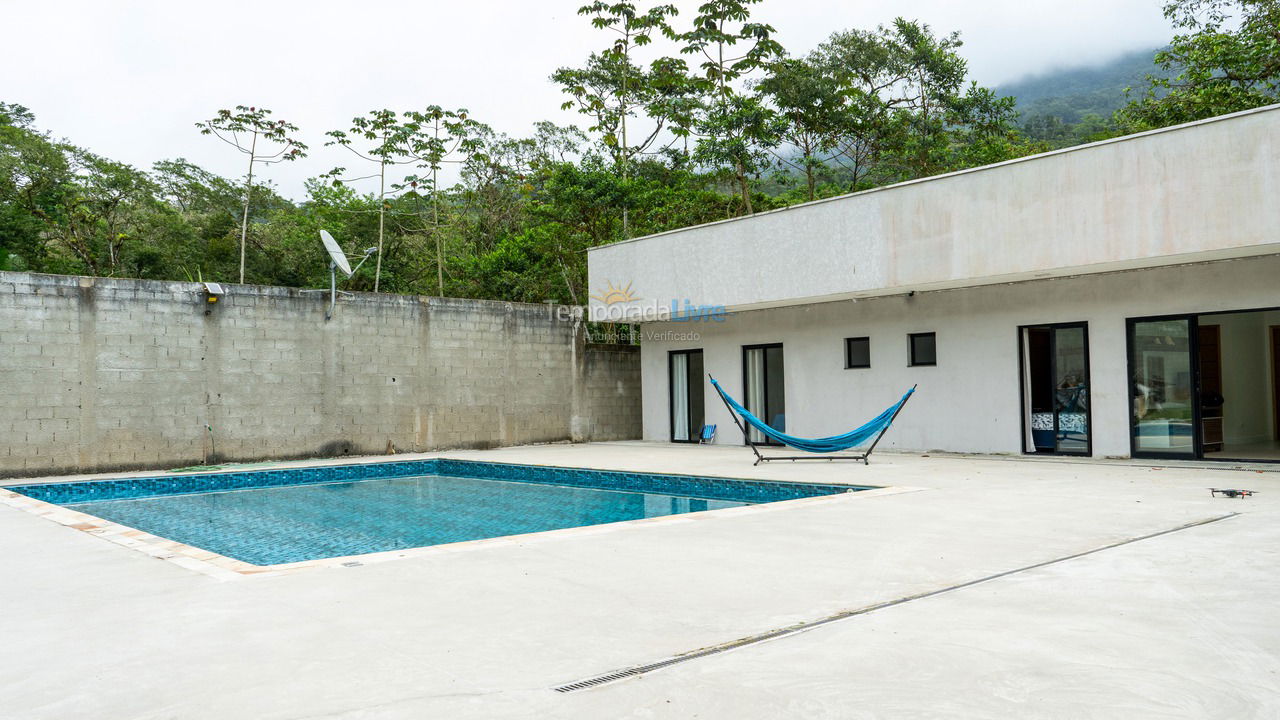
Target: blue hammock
(835,443)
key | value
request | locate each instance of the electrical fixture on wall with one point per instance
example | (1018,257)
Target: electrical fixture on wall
(212,291)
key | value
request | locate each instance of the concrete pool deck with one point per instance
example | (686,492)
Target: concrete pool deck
(1184,625)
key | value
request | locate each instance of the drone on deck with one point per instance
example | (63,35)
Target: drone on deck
(1230,492)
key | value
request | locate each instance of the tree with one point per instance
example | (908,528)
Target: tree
(981,129)
(229,125)
(568,209)
(208,209)
(104,211)
(442,136)
(613,87)
(35,178)
(192,189)
(1226,59)
(809,104)
(904,111)
(675,141)
(391,138)
(894,83)
(290,254)
(499,186)
(730,125)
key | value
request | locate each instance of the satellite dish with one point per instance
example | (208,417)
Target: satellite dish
(335,252)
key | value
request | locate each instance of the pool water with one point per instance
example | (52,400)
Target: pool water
(292,514)
(271,525)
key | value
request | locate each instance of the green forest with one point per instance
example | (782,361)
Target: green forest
(1078,105)
(730,124)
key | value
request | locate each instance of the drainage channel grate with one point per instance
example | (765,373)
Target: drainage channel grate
(642,669)
(794,629)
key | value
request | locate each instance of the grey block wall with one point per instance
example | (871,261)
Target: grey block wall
(610,389)
(100,374)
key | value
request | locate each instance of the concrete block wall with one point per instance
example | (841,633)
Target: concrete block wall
(100,374)
(610,389)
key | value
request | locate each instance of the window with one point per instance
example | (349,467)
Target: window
(857,353)
(924,349)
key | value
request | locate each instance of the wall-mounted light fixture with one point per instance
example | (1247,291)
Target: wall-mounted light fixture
(212,291)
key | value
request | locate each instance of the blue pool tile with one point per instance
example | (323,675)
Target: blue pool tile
(308,513)
(714,488)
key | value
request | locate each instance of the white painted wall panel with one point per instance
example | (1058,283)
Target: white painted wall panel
(970,401)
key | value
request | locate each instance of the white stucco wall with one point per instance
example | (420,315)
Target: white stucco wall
(969,402)
(1191,193)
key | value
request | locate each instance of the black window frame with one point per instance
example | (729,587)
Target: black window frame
(1088,411)
(695,434)
(1196,429)
(911,349)
(746,391)
(848,356)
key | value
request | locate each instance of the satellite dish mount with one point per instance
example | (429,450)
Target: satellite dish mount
(338,261)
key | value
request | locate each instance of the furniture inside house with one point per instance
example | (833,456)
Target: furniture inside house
(1211,400)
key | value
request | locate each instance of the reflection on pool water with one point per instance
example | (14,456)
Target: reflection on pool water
(266,526)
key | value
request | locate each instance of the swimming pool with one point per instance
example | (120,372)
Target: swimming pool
(272,517)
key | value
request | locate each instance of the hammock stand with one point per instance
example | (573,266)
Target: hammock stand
(767,458)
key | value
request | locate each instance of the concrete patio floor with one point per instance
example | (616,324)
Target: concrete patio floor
(1183,625)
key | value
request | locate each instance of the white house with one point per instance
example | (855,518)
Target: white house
(1115,299)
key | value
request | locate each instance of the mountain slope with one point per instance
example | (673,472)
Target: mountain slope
(1072,93)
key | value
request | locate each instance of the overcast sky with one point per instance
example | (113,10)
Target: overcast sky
(129,79)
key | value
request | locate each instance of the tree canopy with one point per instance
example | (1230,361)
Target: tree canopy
(725,122)
(1225,58)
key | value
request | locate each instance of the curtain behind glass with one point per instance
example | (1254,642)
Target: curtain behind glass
(755,389)
(680,397)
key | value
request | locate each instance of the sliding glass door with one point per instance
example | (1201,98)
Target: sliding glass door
(1163,390)
(1055,389)
(684,368)
(764,396)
